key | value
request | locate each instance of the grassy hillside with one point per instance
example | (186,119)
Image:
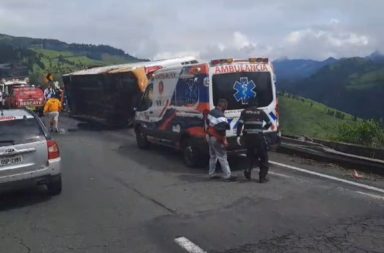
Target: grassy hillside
(96,52)
(41,56)
(304,117)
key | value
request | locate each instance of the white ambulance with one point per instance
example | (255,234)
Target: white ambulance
(173,108)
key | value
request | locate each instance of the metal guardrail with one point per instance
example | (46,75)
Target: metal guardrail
(325,153)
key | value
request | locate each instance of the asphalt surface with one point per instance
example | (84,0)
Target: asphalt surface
(118,198)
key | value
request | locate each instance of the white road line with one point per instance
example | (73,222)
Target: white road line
(188,245)
(371,195)
(364,186)
(278,174)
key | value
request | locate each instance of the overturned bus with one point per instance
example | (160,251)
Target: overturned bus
(109,94)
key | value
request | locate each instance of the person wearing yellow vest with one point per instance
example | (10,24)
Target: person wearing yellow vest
(51,110)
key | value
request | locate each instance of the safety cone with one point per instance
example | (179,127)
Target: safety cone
(357,175)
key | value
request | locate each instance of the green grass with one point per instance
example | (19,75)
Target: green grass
(63,62)
(304,117)
(53,58)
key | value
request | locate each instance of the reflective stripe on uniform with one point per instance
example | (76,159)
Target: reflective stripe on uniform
(214,121)
(254,131)
(254,123)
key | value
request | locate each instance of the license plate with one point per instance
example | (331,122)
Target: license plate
(10,160)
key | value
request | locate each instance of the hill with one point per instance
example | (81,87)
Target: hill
(94,52)
(305,117)
(37,57)
(288,71)
(354,85)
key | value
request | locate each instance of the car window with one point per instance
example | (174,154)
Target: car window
(20,131)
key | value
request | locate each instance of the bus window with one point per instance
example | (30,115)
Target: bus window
(146,101)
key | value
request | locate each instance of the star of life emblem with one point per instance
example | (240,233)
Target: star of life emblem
(244,90)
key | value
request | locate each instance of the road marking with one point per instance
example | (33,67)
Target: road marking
(371,195)
(364,186)
(188,245)
(278,174)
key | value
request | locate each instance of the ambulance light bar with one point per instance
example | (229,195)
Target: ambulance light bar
(222,61)
(253,60)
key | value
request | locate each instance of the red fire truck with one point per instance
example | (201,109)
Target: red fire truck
(18,93)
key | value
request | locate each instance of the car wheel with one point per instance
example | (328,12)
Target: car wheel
(141,139)
(54,185)
(191,154)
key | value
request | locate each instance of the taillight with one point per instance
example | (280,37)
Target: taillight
(53,150)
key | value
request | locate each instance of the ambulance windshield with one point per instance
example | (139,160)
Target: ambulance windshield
(243,88)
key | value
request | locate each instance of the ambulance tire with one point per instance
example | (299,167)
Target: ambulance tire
(191,154)
(141,139)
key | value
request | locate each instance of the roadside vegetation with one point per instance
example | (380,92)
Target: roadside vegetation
(368,133)
(304,117)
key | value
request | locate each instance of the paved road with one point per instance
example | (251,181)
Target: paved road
(117,198)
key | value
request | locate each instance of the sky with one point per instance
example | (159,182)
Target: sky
(158,29)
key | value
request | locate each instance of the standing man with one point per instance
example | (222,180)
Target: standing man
(49,92)
(51,111)
(217,124)
(254,121)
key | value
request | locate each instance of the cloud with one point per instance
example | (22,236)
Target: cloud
(328,40)
(167,55)
(209,29)
(241,42)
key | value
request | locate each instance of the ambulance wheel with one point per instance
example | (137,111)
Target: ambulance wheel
(191,154)
(141,139)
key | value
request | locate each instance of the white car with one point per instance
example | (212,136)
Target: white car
(28,155)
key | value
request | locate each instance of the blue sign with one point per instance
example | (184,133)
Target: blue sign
(244,90)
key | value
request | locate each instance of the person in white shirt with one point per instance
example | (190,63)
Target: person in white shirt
(49,92)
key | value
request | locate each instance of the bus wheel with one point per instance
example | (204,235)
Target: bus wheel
(191,154)
(141,139)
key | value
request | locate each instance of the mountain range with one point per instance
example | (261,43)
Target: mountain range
(354,85)
(95,52)
(33,57)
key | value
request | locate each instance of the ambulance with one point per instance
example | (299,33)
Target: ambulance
(174,106)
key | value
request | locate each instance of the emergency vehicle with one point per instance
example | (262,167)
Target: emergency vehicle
(109,94)
(175,104)
(18,93)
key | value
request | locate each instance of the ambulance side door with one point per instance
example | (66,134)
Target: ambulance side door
(163,111)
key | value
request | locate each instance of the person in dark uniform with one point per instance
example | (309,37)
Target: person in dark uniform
(254,122)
